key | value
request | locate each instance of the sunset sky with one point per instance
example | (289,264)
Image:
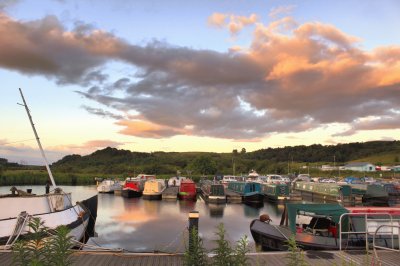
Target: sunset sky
(196,75)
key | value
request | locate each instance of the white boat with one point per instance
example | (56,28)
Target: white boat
(109,186)
(175,181)
(54,209)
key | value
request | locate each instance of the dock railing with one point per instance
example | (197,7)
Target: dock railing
(376,247)
(371,225)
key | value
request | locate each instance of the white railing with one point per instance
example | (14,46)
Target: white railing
(376,247)
(371,225)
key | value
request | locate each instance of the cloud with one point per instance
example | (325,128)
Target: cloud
(233,23)
(4,4)
(292,78)
(281,10)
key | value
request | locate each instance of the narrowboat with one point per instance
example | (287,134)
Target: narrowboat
(251,192)
(133,188)
(276,192)
(187,190)
(325,191)
(213,192)
(324,227)
(153,189)
(108,186)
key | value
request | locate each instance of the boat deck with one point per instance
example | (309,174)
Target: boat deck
(233,197)
(82,258)
(170,193)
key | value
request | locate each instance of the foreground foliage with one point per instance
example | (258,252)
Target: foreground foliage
(38,249)
(224,254)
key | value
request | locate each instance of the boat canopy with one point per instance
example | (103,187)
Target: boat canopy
(331,211)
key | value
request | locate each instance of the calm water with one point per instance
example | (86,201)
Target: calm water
(145,226)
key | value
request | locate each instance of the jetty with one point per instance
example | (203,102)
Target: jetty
(170,193)
(99,258)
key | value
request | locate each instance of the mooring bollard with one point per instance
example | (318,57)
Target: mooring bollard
(193,224)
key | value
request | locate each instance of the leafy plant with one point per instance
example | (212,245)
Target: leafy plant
(38,248)
(195,253)
(242,247)
(224,255)
(295,255)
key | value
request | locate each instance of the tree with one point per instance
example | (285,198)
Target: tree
(204,165)
(243,151)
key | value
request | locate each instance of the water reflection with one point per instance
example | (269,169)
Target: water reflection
(216,210)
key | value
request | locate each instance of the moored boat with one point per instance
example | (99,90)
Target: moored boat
(276,192)
(175,181)
(213,192)
(54,209)
(108,186)
(251,192)
(323,227)
(133,187)
(187,190)
(153,189)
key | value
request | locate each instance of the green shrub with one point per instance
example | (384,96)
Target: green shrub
(38,248)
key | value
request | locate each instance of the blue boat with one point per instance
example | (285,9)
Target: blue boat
(251,192)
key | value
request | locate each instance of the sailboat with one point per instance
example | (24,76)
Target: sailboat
(53,208)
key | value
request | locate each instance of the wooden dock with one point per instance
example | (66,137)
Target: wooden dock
(83,258)
(233,197)
(170,193)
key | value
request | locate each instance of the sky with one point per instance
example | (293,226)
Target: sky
(196,75)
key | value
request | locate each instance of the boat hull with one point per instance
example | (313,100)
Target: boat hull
(75,218)
(130,193)
(274,238)
(254,198)
(152,196)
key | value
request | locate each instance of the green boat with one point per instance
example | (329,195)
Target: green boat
(326,191)
(276,192)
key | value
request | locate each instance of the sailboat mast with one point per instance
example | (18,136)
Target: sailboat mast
(38,140)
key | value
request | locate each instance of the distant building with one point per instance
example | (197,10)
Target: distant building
(360,167)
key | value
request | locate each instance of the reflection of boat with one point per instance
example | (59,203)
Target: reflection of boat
(213,192)
(108,186)
(153,189)
(54,209)
(216,210)
(252,210)
(133,187)
(318,227)
(251,192)
(187,190)
(186,206)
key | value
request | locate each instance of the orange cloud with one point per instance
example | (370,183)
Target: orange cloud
(232,22)
(148,129)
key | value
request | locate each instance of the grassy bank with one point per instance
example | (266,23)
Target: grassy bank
(40,177)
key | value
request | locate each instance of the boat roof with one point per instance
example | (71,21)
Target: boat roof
(369,209)
(332,211)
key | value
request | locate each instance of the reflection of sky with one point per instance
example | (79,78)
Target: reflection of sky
(144,226)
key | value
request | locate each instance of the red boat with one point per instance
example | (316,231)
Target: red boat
(187,190)
(133,188)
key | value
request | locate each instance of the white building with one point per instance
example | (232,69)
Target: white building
(360,167)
